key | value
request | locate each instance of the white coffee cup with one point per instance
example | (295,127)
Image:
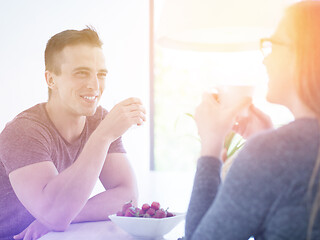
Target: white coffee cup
(229,95)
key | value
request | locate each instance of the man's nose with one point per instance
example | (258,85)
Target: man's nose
(93,83)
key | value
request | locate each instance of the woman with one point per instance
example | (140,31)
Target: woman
(266,193)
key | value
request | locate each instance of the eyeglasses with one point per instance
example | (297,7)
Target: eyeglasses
(266,45)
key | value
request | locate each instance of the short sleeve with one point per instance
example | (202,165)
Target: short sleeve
(24,142)
(117,147)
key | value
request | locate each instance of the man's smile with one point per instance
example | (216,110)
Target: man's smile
(90,98)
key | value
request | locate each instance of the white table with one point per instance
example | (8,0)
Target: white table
(102,231)
(90,230)
(171,189)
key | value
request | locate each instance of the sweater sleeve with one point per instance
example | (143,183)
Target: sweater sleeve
(206,183)
(236,208)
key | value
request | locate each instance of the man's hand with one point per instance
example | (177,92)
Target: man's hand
(122,116)
(255,122)
(34,231)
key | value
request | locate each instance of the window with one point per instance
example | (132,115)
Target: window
(180,78)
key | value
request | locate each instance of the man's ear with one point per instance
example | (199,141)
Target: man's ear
(50,79)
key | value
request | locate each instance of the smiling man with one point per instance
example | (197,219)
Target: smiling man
(52,154)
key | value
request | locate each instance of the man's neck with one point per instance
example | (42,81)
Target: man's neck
(69,126)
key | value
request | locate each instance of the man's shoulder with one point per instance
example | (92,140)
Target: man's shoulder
(33,116)
(36,113)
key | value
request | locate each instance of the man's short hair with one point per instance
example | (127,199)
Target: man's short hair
(67,38)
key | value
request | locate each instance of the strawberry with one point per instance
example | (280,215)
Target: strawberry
(130,212)
(151,211)
(145,207)
(139,212)
(126,206)
(169,214)
(155,205)
(160,214)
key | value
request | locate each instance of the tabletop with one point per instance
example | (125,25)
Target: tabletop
(103,230)
(170,189)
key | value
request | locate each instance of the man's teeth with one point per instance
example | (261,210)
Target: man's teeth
(89,98)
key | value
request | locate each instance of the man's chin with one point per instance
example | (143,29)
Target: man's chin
(90,112)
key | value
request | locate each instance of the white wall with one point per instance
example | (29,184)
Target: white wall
(123,26)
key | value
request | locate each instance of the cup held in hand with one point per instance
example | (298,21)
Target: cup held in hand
(230,95)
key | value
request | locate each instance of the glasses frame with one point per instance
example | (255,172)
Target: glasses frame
(263,47)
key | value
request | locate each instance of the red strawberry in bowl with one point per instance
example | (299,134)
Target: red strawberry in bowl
(146,211)
(145,207)
(130,212)
(169,214)
(160,214)
(139,212)
(151,211)
(126,206)
(155,205)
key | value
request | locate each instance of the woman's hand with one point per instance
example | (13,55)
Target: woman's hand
(34,231)
(214,121)
(255,122)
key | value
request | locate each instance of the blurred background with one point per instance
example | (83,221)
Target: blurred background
(169,79)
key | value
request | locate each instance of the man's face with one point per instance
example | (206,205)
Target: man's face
(80,85)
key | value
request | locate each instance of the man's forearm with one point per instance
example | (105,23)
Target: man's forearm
(99,207)
(67,193)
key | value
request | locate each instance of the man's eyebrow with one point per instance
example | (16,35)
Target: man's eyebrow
(104,70)
(82,68)
(89,69)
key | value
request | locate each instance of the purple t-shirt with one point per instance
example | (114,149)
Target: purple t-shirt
(30,138)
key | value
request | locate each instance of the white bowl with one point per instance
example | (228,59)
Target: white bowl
(150,228)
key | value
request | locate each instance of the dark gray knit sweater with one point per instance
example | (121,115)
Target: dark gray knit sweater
(265,192)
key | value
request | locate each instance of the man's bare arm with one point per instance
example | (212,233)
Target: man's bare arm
(55,199)
(121,186)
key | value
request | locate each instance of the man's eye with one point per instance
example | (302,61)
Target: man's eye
(82,74)
(102,75)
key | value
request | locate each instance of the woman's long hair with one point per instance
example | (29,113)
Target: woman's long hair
(303,21)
